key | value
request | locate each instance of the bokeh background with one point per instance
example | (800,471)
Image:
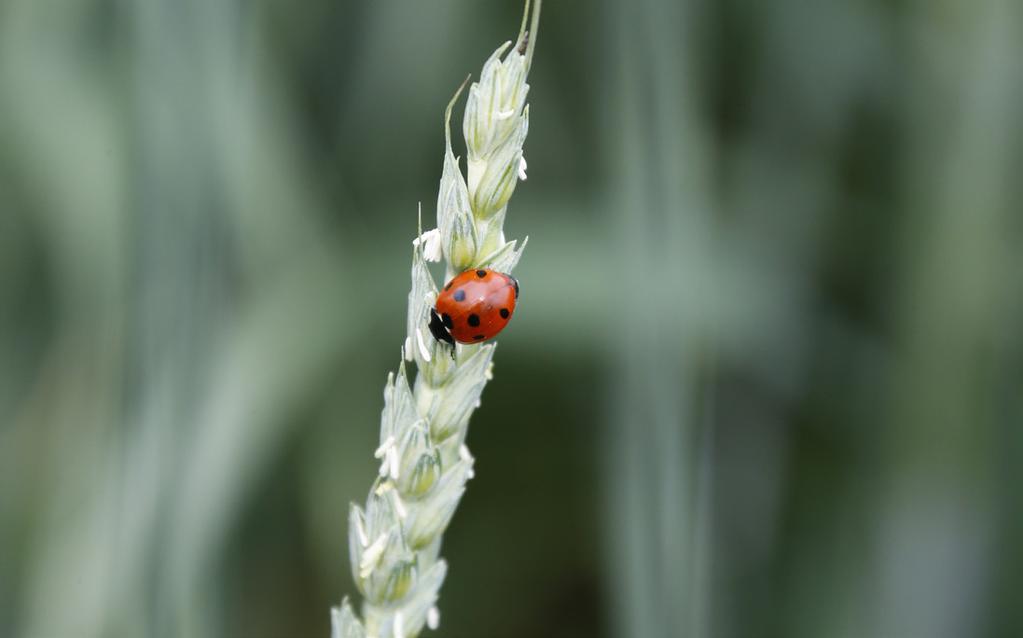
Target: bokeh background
(765,380)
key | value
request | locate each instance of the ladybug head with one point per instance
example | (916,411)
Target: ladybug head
(438,329)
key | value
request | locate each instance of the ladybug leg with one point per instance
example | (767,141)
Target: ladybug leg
(439,331)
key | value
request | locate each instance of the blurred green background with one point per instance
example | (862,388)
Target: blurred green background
(765,379)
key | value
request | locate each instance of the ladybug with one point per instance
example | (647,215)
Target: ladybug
(474,306)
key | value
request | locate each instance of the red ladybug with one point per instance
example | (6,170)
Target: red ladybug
(474,306)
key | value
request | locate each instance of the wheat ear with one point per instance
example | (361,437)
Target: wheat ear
(394,541)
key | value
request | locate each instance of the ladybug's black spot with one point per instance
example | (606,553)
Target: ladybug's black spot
(479,338)
(459,295)
(504,313)
(474,320)
(447,321)
(481,273)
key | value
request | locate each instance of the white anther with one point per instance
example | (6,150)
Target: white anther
(392,458)
(386,445)
(422,346)
(431,244)
(399,625)
(372,555)
(399,505)
(384,452)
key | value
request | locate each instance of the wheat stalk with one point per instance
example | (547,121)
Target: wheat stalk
(394,541)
